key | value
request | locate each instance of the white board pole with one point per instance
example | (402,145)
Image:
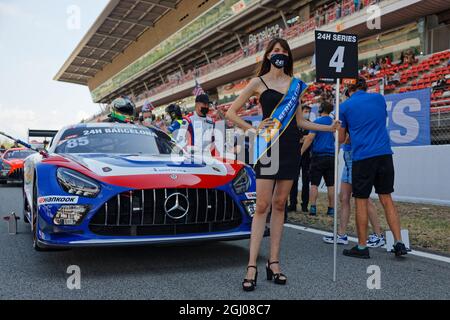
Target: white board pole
(336,180)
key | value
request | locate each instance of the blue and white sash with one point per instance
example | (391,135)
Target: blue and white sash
(282,115)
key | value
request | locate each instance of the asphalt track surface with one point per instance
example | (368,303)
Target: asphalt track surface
(210,271)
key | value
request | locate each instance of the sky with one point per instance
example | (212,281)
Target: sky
(36,38)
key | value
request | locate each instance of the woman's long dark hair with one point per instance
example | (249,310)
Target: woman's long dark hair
(266,65)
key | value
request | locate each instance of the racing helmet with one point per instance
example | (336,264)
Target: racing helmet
(174,111)
(123,110)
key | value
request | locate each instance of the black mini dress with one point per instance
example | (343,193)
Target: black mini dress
(288,144)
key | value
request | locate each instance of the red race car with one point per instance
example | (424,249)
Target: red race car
(11,164)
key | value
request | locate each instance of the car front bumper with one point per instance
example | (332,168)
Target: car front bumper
(239,235)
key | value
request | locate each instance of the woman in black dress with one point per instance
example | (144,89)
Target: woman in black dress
(276,171)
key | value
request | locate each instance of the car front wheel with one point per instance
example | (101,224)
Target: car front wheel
(34,217)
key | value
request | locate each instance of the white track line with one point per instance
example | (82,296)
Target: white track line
(353,239)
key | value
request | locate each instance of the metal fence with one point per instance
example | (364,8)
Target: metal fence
(440,125)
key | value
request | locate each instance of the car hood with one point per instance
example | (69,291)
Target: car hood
(143,171)
(14,162)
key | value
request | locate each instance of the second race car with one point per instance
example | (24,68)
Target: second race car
(11,164)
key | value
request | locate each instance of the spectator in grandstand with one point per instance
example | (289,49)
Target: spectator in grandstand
(388,61)
(338,7)
(271,84)
(325,14)
(317,18)
(322,159)
(395,79)
(402,58)
(382,63)
(364,68)
(363,115)
(410,57)
(303,170)
(371,70)
(346,10)
(441,83)
(385,63)
(376,239)
(378,62)
(357,5)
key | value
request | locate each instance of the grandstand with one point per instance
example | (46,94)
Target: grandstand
(157,50)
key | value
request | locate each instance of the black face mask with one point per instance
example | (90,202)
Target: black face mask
(204,111)
(280,61)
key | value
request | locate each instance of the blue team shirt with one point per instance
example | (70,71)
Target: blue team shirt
(324,141)
(364,115)
(347,147)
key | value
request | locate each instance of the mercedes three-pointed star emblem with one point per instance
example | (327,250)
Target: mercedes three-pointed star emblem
(176,206)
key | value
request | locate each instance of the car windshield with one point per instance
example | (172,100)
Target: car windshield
(20,154)
(116,140)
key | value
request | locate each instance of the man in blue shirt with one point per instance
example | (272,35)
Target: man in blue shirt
(363,116)
(322,159)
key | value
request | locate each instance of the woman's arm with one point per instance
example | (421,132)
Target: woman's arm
(308,125)
(248,92)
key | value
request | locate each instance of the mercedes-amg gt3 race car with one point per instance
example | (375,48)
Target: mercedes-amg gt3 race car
(109,184)
(11,164)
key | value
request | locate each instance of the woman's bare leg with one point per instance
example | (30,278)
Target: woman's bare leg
(280,196)
(264,191)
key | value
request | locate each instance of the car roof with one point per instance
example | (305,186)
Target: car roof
(102,125)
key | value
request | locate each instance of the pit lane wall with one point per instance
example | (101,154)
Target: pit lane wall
(422,174)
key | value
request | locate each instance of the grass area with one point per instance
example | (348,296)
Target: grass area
(428,225)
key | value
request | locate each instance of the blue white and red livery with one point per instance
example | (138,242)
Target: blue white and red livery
(121,184)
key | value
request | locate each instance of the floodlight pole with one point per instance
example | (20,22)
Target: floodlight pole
(336,179)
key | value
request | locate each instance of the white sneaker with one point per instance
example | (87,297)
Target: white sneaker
(340,239)
(376,241)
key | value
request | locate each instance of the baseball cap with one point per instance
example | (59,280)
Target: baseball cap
(147,107)
(203,98)
(360,84)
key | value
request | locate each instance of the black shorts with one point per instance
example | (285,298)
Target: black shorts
(322,166)
(375,172)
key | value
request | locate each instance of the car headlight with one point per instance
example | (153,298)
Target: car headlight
(70,215)
(241,183)
(76,183)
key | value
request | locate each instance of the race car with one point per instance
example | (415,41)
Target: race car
(11,164)
(110,184)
